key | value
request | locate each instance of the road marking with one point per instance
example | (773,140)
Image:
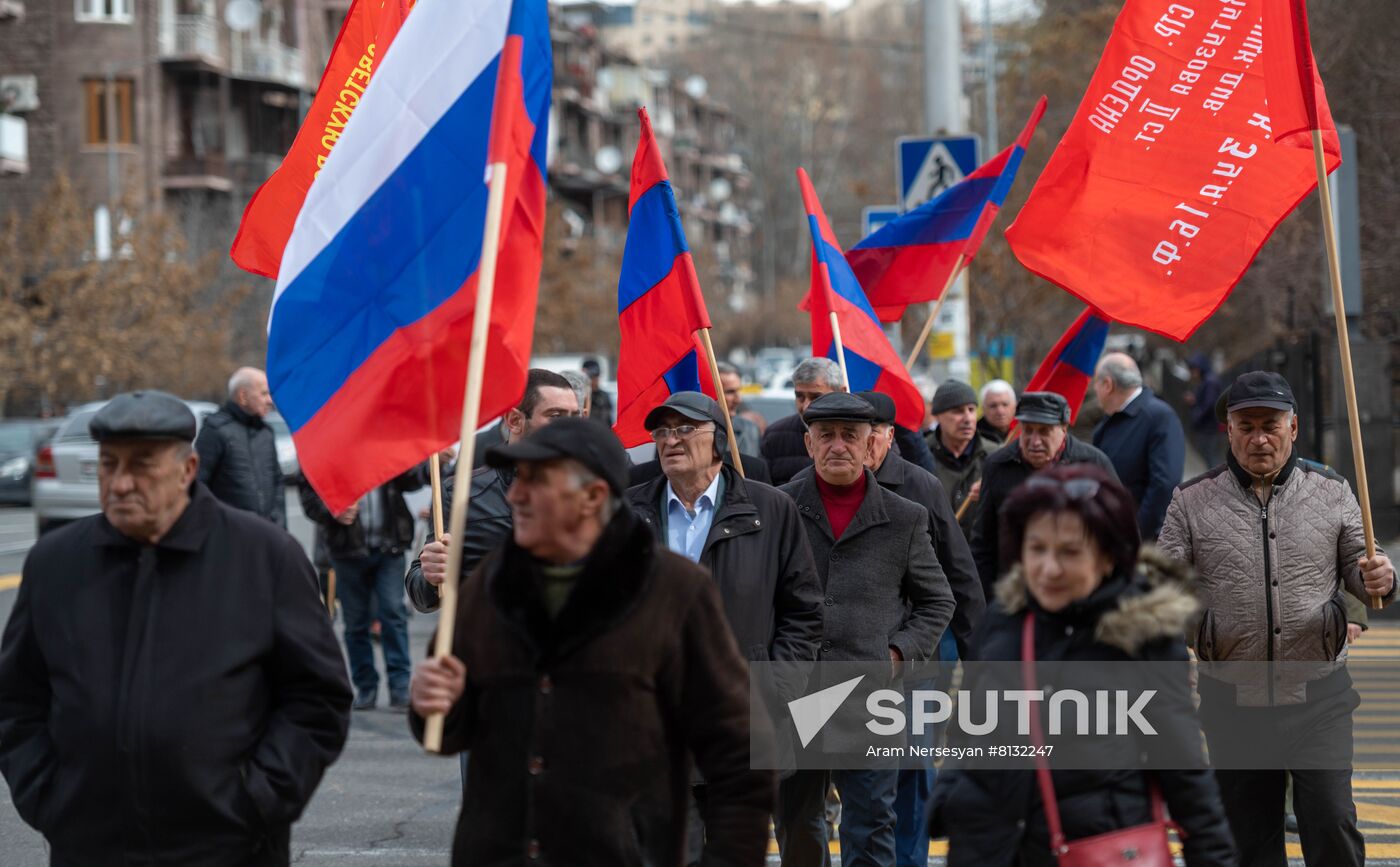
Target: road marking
(8,582)
(378,854)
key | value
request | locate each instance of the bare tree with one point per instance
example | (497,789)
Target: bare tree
(73,327)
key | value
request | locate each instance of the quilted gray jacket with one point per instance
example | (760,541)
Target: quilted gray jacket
(1271,576)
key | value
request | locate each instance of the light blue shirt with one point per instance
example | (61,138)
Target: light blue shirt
(686,531)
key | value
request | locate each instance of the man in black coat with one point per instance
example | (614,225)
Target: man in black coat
(366,544)
(745,533)
(1044,440)
(238,451)
(784,446)
(548,397)
(588,664)
(886,599)
(170,688)
(1143,438)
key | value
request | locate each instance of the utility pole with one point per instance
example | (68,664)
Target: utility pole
(989,62)
(944,112)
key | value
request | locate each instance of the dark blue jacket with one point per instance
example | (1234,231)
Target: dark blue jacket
(1148,449)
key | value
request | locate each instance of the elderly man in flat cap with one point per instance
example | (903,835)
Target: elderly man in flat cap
(170,688)
(887,599)
(1044,440)
(747,534)
(588,665)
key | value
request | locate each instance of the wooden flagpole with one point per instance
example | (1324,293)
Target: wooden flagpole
(1334,270)
(723,404)
(471,413)
(937,308)
(435,473)
(962,510)
(840,350)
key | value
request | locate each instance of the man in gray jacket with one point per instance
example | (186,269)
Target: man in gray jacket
(886,598)
(1276,540)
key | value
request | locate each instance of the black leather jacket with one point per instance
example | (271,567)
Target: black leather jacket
(488,526)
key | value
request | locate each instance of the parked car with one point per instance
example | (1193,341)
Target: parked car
(286,449)
(65,470)
(772,404)
(19,439)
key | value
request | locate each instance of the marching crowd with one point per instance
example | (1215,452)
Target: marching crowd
(171,691)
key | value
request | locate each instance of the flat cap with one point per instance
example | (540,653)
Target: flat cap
(579,439)
(839,406)
(1258,388)
(691,404)
(143,415)
(951,395)
(882,403)
(1042,407)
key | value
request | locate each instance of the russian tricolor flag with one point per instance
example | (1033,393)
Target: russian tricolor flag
(371,322)
(1069,368)
(909,260)
(659,305)
(871,362)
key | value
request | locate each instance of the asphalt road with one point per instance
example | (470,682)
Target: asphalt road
(387,803)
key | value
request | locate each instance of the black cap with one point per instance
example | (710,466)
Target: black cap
(839,406)
(591,367)
(691,404)
(882,403)
(577,439)
(951,395)
(1262,388)
(1042,407)
(143,415)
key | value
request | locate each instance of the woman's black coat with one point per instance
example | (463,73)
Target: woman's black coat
(995,817)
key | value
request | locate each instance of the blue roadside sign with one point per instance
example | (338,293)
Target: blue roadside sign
(927,165)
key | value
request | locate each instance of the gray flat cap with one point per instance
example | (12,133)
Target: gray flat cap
(143,415)
(839,406)
(1042,407)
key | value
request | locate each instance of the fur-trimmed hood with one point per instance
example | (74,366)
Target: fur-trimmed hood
(1156,603)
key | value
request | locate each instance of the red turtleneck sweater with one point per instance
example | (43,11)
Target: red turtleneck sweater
(841,502)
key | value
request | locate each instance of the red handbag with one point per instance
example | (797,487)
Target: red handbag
(1140,845)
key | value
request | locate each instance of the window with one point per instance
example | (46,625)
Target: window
(110,11)
(97,105)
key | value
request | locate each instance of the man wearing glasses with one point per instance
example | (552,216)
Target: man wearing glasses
(746,533)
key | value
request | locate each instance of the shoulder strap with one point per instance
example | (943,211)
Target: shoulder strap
(1042,767)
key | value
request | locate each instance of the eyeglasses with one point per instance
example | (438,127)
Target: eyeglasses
(684,432)
(1074,489)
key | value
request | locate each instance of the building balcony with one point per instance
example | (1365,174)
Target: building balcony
(269,61)
(191,37)
(190,172)
(249,172)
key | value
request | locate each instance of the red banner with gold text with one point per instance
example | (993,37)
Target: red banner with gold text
(370,25)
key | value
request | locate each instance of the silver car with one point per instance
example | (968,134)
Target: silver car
(65,470)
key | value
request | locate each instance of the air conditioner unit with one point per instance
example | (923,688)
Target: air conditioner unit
(18,93)
(14,145)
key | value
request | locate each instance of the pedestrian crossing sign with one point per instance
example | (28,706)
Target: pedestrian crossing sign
(926,166)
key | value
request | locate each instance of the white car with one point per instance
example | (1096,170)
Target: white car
(65,470)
